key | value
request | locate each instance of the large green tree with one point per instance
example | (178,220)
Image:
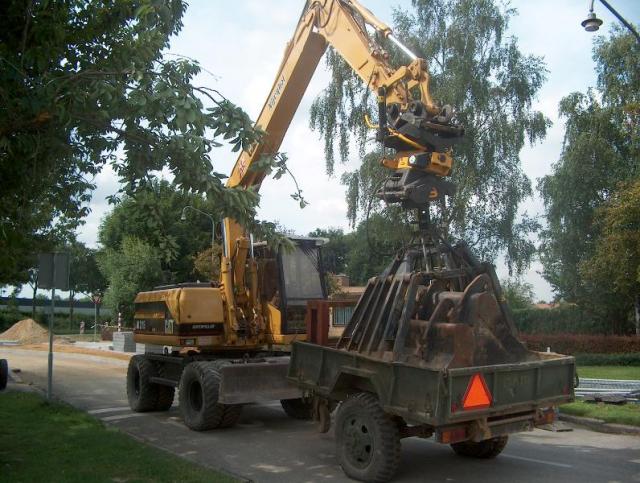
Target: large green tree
(614,268)
(154,216)
(601,149)
(84,83)
(131,268)
(479,70)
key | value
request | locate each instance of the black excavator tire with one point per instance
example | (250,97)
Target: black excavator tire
(4,374)
(367,439)
(142,394)
(166,395)
(198,393)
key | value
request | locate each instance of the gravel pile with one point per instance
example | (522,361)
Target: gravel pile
(26,331)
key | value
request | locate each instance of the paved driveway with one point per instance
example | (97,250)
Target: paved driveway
(266,446)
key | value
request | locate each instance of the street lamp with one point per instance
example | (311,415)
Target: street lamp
(592,23)
(183,217)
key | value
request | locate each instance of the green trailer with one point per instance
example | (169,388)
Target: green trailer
(429,353)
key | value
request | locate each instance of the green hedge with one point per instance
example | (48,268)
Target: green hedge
(565,319)
(632,359)
(582,344)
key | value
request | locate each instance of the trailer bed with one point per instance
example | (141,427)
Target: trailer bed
(434,397)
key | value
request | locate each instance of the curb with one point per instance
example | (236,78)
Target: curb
(600,426)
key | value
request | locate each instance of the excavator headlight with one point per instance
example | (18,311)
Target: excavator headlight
(412,160)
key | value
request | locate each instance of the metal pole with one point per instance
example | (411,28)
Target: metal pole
(619,17)
(51,316)
(95,319)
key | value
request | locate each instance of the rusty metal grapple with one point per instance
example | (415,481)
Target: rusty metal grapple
(435,307)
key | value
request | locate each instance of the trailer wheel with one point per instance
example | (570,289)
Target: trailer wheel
(198,394)
(142,394)
(299,408)
(487,449)
(367,439)
(4,373)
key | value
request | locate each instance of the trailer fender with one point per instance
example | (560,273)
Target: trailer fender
(351,381)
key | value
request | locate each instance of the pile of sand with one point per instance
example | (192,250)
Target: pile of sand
(27,331)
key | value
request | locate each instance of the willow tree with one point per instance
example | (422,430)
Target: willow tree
(479,70)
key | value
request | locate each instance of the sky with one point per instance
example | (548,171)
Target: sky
(240,46)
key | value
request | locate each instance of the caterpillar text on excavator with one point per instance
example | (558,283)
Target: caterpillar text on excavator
(431,348)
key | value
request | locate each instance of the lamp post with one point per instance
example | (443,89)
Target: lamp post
(183,217)
(592,23)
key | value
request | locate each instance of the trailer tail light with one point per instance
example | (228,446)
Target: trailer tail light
(452,435)
(477,395)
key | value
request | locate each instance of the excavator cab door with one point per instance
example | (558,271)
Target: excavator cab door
(302,278)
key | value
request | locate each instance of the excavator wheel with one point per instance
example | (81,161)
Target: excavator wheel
(165,398)
(367,439)
(299,408)
(4,373)
(166,394)
(198,394)
(487,449)
(142,394)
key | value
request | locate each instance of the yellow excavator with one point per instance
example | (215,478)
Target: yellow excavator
(227,343)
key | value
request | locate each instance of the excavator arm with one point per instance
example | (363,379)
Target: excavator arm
(418,130)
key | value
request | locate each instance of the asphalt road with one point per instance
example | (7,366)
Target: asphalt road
(266,446)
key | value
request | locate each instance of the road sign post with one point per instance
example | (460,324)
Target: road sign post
(53,272)
(97,300)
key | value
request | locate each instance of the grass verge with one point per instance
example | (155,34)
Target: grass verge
(54,442)
(609,372)
(609,413)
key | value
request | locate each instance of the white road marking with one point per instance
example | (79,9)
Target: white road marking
(109,410)
(122,416)
(532,460)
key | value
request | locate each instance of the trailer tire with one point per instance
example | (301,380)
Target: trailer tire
(299,408)
(141,393)
(487,449)
(4,374)
(367,439)
(198,394)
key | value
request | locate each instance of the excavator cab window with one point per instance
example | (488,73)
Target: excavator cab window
(301,279)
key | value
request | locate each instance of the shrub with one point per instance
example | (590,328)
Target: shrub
(608,360)
(582,344)
(563,319)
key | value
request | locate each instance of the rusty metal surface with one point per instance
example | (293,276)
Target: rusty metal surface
(449,316)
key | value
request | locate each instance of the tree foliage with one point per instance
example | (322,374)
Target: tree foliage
(518,293)
(83,84)
(614,267)
(131,268)
(153,215)
(491,84)
(601,149)
(84,274)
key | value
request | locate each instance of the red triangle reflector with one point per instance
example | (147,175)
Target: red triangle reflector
(477,395)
